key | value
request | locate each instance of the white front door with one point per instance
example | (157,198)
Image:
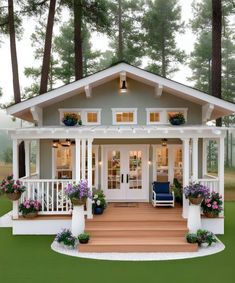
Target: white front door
(125,172)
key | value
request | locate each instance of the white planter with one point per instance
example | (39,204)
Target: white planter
(194,218)
(78,220)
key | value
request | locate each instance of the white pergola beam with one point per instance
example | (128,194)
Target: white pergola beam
(87,89)
(158,90)
(207,111)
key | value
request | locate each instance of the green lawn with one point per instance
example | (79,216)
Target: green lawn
(30,259)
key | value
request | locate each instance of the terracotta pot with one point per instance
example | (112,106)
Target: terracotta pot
(84,241)
(76,201)
(30,215)
(196,201)
(211,214)
(14,196)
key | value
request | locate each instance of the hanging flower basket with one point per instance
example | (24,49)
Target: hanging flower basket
(31,215)
(76,201)
(210,214)
(78,193)
(71,119)
(14,196)
(196,200)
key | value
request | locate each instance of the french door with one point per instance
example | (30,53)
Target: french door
(125,172)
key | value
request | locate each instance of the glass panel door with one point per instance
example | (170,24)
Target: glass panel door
(162,164)
(113,170)
(135,170)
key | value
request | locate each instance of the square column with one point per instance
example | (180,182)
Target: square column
(15,171)
(83,159)
(77,160)
(185,174)
(38,158)
(221,166)
(89,176)
(195,160)
(204,157)
(27,157)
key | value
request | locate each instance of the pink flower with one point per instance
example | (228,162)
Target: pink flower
(215,202)
(28,206)
(208,205)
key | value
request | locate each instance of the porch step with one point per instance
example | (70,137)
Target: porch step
(137,244)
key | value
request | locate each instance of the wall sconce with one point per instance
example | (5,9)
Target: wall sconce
(100,163)
(67,143)
(55,143)
(123,88)
(149,162)
(164,142)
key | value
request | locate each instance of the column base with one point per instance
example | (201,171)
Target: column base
(78,220)
(194,218)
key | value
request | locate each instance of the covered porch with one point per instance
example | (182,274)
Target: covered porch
(193,141)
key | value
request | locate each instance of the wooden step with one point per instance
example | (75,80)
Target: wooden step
(137,244)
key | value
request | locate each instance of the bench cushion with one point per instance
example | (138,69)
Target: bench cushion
(166,197)
(161,187)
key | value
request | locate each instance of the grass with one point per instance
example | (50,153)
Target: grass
(30,259)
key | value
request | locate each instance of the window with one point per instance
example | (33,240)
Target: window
(161,115)
(124,116)
(154,116)
(90,116)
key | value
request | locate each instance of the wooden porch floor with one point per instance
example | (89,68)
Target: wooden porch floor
(137,228)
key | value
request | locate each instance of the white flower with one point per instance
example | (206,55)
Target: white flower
(95,196)
(98,202)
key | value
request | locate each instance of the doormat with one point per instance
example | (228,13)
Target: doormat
(126,204)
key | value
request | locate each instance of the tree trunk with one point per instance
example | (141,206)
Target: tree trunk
(14,62)
(77,6)
(47,48)
(216,50)
(120,37)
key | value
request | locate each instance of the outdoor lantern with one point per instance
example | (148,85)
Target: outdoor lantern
(67,143)
(55,143)
(164,142)
(123,87)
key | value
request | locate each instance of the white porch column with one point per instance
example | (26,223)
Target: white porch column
(195,160)
(78,160)
(171,164)
(204,157)
(89,176)
(221,166)
(15,171)
(27,157)
(38,158)
(83,158)
(185,174)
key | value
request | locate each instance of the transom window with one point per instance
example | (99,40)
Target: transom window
(90,116)
(124,116)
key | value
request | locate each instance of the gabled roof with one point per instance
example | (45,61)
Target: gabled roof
(218,106)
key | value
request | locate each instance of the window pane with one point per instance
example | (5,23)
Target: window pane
(92,117)
(154,117)
(125,117)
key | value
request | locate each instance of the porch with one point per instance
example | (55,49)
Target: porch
(193,142)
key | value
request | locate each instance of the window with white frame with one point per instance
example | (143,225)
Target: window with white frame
(161,115)
(91,116)
(124,116)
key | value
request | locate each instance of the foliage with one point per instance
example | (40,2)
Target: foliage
(178,191)
(196,190)
(161,23)
(213,203)
(6,155)
(78,191)
(178,116)
(84,237)
(204,236)
(30,206)
(66,237)
(191,238)
(99,199)
(72,117)
(9,185)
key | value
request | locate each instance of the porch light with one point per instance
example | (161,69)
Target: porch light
(55,143)
(164,142)
(123,87)
(67,143)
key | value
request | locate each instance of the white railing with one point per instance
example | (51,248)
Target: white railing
(50,193)
(32,176)
(211,183)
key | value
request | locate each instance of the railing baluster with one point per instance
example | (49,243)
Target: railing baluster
(47,196)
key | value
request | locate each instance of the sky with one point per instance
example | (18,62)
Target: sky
(25,53)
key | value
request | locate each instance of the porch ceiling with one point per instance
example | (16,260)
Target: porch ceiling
(118,132)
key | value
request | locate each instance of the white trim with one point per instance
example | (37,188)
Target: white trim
(195,159)
(186,162)
(83,113)
(115,110)
(132,72)
(207,110)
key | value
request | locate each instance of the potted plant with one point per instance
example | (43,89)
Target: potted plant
(212,205)
(78,193)
(191,238)
(66,239)
(196,192)
(30,208)
(71,119)
(12,188)
(83,238)
(178,191)
(177,119)
(99,202)
(205,237)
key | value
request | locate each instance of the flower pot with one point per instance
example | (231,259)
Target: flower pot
(98,210)
(196,201)
(70,123)
(31,215)
(14,196)
(83,241)
(211,214)
(76,201)
(176,122)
